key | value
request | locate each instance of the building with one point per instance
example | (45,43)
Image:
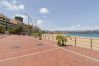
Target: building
(8,23)
(18,21)
(19,18)
(13,24)
(4,21)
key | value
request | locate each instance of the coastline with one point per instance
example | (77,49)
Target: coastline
(92,37)
(84,37)
(80,41)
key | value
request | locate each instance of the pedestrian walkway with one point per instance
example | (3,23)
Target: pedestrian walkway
(28,51)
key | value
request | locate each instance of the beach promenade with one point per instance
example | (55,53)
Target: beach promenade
(28,51)
(89,43)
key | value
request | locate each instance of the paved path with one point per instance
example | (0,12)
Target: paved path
(28,51)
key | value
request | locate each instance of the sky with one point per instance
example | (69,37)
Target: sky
(55,14)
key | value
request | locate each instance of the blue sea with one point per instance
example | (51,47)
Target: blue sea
(89,35)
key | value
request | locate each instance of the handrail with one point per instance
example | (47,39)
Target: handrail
(78,41)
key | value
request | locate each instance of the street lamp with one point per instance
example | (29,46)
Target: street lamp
(29,20)
(29,26)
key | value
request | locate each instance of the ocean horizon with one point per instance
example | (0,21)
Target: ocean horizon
(87,35)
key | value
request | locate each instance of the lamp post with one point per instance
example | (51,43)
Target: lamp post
(27,16)
(29,19)
(29,26)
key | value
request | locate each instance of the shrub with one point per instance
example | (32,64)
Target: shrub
(61,40)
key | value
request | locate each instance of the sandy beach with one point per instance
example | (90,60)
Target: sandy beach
(78,41)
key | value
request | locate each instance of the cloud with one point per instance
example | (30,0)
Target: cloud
(44,16)
(13,5)
(14,1)
(39,22)
(78,25)
(21,6)
(44,10)
(77,28)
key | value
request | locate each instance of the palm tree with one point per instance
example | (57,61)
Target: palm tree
(30,29)
(35,35)
(12,30)
(58,38)
(61,40)
(40,35)
(1,28)
(19,28)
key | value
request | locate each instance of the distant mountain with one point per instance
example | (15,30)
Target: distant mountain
(84,31)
